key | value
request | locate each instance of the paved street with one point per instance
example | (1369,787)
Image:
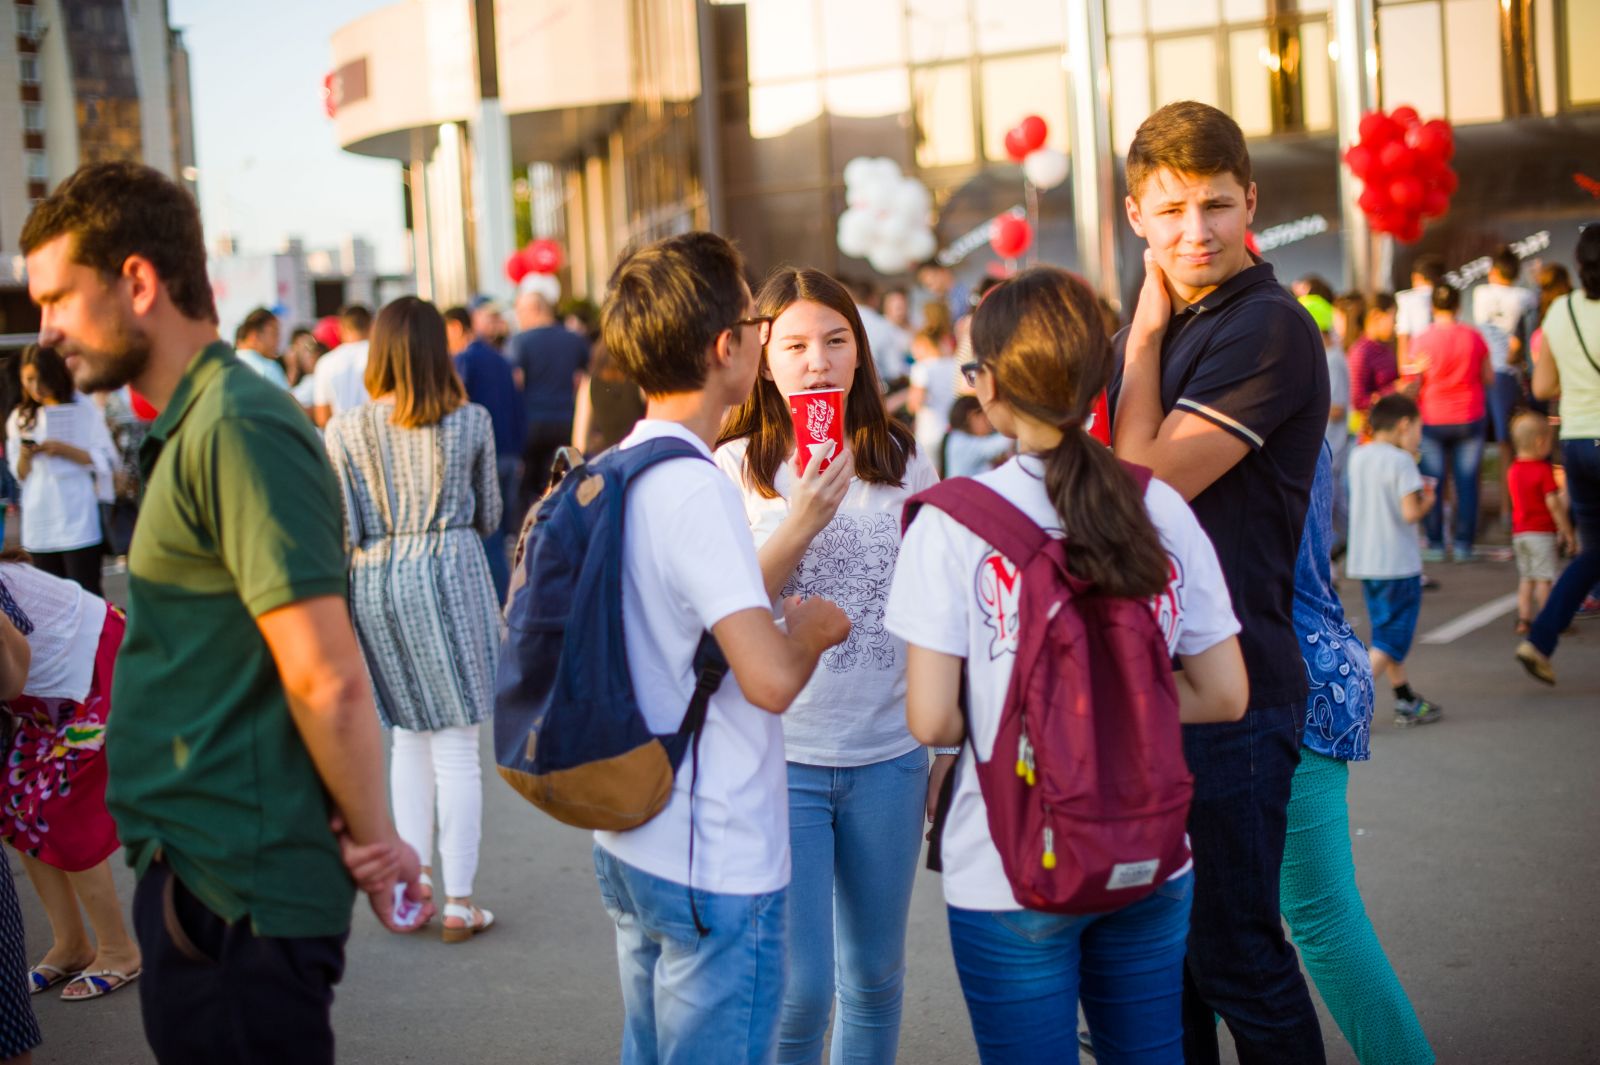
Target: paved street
(1475,840)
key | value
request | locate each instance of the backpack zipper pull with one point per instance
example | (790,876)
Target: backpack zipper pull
(1022,755)
(1049,860)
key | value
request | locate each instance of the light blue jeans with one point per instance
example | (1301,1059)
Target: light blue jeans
(689,998)
(855,834)
(1023,973)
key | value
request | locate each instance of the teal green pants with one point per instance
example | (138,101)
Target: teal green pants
(1329,923)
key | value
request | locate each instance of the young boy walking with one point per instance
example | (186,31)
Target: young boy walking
(1388,496)
(702,974)
(1538,515)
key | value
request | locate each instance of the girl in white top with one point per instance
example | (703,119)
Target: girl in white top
(933,378)
(61,453)
(857,778)
(1042,358)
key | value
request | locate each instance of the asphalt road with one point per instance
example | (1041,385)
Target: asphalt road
(1475,842)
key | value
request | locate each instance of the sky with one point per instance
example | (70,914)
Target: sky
(269,165)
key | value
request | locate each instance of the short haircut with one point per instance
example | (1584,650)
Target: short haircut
(1528,430)
(115,210)
(667,303)
(253,323)
(1187,137)
(409,359)
(1317,285)
(357,317)
(1389,411)
(459,315)
(1430,267)
(1505,263)
(1446,298)
(961,411)
(1384,302)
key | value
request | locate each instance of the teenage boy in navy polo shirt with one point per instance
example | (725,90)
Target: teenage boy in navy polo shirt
(1222,389)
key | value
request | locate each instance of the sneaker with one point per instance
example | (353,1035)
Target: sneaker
(1590,608)
(1536,662)
(1465,554)
(1433,554)
(1418,711)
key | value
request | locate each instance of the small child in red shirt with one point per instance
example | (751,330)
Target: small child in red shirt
(1538,514)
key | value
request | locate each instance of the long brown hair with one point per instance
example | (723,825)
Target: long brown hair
(409,357)
(882,446)
(1041,338)
(54,379)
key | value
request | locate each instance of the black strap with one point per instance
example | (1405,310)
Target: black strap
(947,790)
(710,667)
(1579,334)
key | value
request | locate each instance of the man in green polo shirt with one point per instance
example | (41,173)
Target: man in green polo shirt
(243,722)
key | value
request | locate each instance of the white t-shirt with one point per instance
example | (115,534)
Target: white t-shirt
(1413,311)
(265,365)
(1502,312)
(1338,431)
(688,562)
(955,594)
(66,631)
(889,343)
(60,498)
(853,710)
(938,378)
(1382,545)
(340,378)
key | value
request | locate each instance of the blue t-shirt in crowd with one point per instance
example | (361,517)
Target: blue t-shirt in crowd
(489,383)
(549,357)
(1339,707)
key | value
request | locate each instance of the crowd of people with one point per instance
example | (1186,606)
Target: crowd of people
(323,551)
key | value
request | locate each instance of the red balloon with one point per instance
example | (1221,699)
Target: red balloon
(1360,159)
(1410,231)
(1395,159)
(1448,181)
(1377,129)
(1010,236)
(1374,200)
(517,267)
(1016,145)
(1435,202)
(543,256)
(1406,117)
(1436,140)
(1407,192)
(1034,131)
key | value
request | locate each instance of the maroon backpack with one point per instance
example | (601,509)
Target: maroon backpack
(1087,788)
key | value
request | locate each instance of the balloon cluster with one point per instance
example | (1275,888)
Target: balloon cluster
(1044,167)
(1404,167)
(542,256)
(886,220)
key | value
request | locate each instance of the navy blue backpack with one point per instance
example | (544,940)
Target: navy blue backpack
(568,732)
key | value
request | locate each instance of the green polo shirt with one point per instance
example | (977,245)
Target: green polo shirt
(240,516)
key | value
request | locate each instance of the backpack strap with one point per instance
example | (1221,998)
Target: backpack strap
(1572,314)
(986,513)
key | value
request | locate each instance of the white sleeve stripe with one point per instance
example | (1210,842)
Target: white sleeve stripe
(1221,419)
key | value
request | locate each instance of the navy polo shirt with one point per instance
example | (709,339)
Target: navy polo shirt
(1248,358)
(487,376)
(549,356)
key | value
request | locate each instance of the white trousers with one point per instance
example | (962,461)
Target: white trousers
(443,764)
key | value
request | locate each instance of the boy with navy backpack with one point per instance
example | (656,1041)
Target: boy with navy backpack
(698,890)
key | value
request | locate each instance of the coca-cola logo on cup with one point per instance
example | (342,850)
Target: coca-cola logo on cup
(819,419)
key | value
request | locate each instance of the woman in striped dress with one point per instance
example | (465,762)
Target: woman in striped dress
(416,469)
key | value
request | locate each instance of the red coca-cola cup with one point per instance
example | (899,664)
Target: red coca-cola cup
(818,424)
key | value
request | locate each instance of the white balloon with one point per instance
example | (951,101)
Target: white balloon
(893,227)
(887,171)
(920,245)
(1045,167)
(911,198)
(889,260)
(856,227)
(856,169)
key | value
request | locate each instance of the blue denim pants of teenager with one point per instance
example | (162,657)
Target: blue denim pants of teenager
(690,998)
(1240,964)
(1024,972)
(1453,453)
(1581,458)
(855,833)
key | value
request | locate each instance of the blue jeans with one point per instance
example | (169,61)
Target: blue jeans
(1023,972)
(690,998)
(855,834)
(1582,461)
(494,545)
(1454,453)
(1240,965)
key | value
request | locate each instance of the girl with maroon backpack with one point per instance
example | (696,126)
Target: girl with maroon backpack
(1066,870)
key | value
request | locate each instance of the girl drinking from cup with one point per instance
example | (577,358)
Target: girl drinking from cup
(857,779)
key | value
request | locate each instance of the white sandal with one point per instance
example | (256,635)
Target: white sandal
(478,920)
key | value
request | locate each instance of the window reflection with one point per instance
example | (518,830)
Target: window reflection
(939,29)
(1412,71)
(1017,25)
(1583,73)
(1025,85)
(1316,76)
(942,98)
(1186,69)
(777,109)
(783,39)
(1472,61)
(857,34)
(1251,81)
(1130,89)
(1182,15)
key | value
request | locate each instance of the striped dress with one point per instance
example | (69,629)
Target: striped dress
(416,502)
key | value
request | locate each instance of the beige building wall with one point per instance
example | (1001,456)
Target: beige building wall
(13,170)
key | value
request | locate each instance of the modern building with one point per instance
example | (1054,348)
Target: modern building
(612,121)
(298,284)
(93,80)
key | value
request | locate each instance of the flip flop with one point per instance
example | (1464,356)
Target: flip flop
(43,977)
(99,983)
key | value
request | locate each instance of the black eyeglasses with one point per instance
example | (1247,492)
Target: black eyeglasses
(969,373)
(764,321)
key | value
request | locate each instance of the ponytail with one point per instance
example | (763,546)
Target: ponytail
(1110,540)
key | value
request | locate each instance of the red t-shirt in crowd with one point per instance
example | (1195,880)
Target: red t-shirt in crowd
(1451,357)
(1529,481)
